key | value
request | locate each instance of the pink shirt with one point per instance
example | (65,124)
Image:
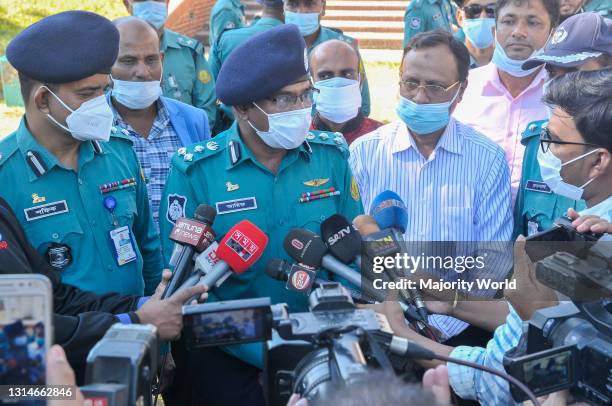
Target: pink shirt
(488,107)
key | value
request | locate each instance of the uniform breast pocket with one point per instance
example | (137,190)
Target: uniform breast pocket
(310,215)
(57,238)
(457,223)
(126,208)
(538,211)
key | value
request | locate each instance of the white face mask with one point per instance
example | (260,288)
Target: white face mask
(338,99)
(550,169)
(286,130)
(136,95)
(92,121)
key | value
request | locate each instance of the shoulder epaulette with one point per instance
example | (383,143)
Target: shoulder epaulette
(8,146)
(187,156)
(335,139)
(121,134)
(533,129)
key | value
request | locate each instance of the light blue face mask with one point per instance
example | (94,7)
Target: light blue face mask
(307,23)
(511,66)
(424,119)
(479,31)
(153,12)
(338,99)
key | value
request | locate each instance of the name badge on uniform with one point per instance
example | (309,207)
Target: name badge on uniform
(232,206)
(123,245)
(536,186)
(46,210)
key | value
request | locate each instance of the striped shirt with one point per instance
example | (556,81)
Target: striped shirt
(154,153)
(460,193)
(488,389)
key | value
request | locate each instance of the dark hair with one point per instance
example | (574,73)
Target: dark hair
(586,97)
(430,39)
(552,8)
(26,84)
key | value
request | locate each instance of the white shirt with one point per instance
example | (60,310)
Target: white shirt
(461,193)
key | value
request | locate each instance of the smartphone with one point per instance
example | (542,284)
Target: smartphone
(26,306)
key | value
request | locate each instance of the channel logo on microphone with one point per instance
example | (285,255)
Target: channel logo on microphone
(242,245)
(297,244)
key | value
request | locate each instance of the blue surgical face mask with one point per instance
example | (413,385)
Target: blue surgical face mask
(136,95)
(153,12)
(479,31)
(424,119)
(510,66)
(307,23)
(338,99)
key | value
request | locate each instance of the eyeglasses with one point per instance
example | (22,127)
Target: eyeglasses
(284,101)
(546,140)
(474,10)
(432,91)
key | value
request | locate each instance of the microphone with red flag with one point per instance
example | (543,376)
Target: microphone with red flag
(190,236)
(241,247)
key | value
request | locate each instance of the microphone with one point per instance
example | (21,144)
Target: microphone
(281,270)
(189,236)
(241,247)
(342,238)
(299,278)
(307,248)
(389,211)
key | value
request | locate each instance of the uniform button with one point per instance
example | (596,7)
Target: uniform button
(55,236)
(322,217)
(93,223)
(80,181)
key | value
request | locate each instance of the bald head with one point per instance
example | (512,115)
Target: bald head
(139,58)
(334,58)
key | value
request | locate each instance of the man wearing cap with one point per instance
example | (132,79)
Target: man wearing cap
(259,170)
(335,70)
(271,16)
(77,185)
(501,98)
(307,14)
(157,125)
(186,73)
(582,42)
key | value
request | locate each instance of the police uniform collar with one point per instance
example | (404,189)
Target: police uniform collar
(170,39)
(38,159)
(533,129)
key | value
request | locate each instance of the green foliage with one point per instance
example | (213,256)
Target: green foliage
(15,15)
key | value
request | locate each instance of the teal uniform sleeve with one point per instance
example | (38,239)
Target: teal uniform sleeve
(224,19)
(365,89)
(214,58)
(147,238)
(415,21)
(178,190)
(204,96)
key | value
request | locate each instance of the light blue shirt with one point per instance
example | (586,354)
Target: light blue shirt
(488,389)
(460,193)
(603,210)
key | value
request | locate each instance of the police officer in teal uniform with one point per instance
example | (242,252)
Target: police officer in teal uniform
(186,75)
(582,42)
(306,14)
(428,15)
(603,7)
(271,16)
(225,15)
(75,186)
(264,163)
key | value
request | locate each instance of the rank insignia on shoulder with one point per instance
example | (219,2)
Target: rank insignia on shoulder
(188,157)
(212,145)
(182,151)
(38,199)
(316,182)
(198,149)
(310,136)
(231,186)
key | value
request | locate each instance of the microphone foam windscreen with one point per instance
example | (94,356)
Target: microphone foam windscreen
(305,247)
(242,246)
(205,213)
(389,211)
(342,238)
(278,269)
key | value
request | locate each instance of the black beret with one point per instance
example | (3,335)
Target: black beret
(65,47)
(263,65)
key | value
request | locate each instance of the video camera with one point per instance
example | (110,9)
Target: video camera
(308,353)
(121,366)
(569,346)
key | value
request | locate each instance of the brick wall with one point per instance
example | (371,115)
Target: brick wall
(190,17)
